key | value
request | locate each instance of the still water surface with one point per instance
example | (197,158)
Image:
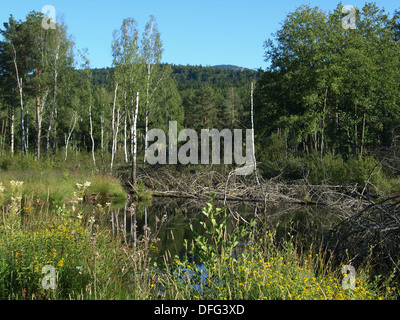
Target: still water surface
(307,224)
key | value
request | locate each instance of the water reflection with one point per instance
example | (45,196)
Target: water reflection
(169,218)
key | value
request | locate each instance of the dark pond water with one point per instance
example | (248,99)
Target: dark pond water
(307,224)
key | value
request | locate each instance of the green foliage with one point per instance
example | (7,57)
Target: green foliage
(244,266)
(330,88)
(214,239)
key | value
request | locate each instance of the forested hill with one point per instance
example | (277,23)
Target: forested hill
(222,76)
(215,97)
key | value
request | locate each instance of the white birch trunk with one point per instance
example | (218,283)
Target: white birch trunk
(102,134)
(125,138)
(91,133)
(147,112)
(252,135)
(113,127)
(19,82)
(72,127)
(52,115)
(134,124)
(12,128)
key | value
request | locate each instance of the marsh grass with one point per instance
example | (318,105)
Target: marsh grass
(105,188)
(90,262)
(56,187)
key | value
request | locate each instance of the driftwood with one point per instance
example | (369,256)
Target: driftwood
(229,187)
(371,236)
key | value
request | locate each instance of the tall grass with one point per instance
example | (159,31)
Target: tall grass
(89,262)
(55,186)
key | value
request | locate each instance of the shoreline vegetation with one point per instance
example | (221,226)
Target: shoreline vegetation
(235,258)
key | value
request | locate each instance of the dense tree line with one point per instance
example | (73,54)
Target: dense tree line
(52,100)
(215,97)
(331,89)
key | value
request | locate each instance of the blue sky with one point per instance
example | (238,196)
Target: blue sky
(196,32)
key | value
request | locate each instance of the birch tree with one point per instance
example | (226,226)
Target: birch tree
(88,95)
(113,127)
(60,63)
(128,67)
(39,40)
(152,53)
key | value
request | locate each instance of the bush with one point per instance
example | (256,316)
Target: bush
(332,169)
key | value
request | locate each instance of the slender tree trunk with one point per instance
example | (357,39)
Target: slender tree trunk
(132,129)
(19,82)
(315,138)
(252,135)
(125,138)
(355,131)
(363,135)
(91,133)
(147,111)
(3,135)
(102,134)
(38,117)
(55,129)
(12,127)
(233,108)
(134,123)
(27,131)
(113,126)
(72,127)
(38,126)
(323,123)
(23,145)
(52,114)
(48,133)
(166,110)
(117,131)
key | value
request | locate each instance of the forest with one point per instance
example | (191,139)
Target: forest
(56,100)
(325,117)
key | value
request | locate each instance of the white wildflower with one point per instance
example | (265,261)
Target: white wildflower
(87,184)
(16,183)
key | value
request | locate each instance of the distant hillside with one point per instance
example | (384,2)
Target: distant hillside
(230,67)
(221,76)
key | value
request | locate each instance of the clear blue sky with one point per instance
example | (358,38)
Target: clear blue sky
(196,32)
